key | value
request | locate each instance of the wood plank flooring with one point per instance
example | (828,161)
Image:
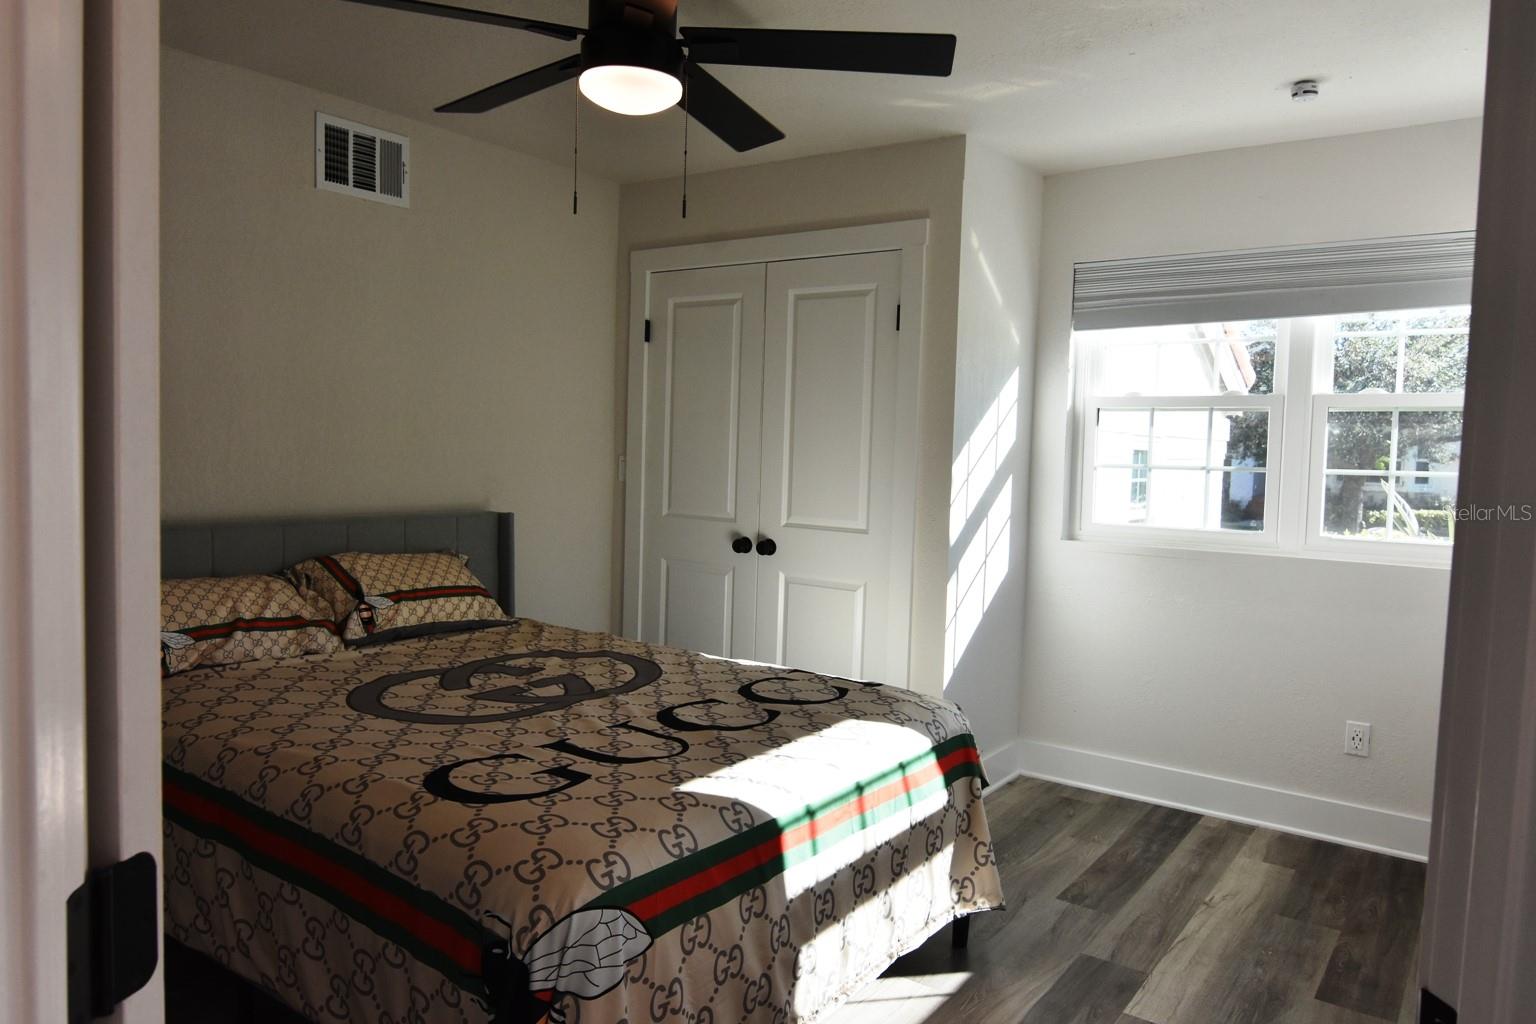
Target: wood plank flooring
(1124,913)
(1118,913)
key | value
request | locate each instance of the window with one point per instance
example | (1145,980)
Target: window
(1391,425)
(1183,418)
(1328,435)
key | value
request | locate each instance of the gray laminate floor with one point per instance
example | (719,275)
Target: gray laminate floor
(1124,913)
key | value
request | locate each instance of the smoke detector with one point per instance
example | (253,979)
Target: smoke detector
(1305,90)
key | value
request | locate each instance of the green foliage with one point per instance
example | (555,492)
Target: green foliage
(1433,522)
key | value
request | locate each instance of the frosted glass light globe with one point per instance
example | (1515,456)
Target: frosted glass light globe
(626,89)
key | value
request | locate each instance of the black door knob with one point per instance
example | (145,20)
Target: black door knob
(766,547)
(742,545)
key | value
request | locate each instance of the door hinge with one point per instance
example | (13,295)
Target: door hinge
(1434,1010)
(898,316)
(647,332)
(113,936)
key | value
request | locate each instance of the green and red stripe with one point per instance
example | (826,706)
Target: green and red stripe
(340,574)
(698,883)
(428,593)
(432,930)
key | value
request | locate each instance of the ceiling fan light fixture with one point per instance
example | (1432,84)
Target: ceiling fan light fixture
(630,89)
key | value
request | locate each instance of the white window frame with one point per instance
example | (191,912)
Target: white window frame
(1312,538)
(1296,463)
(1091,406)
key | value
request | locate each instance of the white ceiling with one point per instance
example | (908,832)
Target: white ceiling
(1059,84)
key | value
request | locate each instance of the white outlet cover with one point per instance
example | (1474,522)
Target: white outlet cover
(1357,739)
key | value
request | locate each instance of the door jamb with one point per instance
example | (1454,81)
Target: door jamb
(121,443)
(43,853)
(910,238)
(1479,931)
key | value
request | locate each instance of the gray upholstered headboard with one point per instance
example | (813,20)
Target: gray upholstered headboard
(239,548)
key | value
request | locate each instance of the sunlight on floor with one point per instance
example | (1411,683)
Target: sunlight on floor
(901,1000)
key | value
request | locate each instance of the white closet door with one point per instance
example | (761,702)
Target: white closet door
(828,459)
(704,379)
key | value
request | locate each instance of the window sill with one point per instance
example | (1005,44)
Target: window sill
(1434,558)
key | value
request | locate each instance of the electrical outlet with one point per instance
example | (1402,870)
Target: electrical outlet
(1357,739)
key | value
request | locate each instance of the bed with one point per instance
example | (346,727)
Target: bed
(529,822)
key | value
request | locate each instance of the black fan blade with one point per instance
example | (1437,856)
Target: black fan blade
(543,28)
(724,113)
(891,53)
(525,84)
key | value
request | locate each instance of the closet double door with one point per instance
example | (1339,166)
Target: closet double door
(769,519)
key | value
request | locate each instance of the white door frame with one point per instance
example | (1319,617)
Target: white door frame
(910,238)
(79,474)
(122,442)
(1479,941)
(42,559)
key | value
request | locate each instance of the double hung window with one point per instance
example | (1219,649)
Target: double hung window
(1308,429)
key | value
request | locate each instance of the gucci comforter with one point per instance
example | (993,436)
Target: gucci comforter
(532,823)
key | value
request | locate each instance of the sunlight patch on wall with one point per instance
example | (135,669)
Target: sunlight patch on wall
(975,581)
(983,457)
(997,292)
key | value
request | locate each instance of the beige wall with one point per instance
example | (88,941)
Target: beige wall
(325,354)
(1232,666)
(864,187)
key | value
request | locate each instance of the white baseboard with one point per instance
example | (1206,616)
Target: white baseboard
(1370,828)
(1002,765)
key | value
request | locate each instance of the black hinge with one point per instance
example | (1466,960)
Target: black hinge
(114,941)
(898,316)
(647,332)
(1434,1010)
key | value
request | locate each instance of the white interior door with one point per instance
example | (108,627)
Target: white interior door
(703,413)
(830,413)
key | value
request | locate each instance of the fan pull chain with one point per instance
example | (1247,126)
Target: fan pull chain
(576,160)
(685,143)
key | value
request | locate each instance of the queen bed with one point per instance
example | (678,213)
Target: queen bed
(520,821)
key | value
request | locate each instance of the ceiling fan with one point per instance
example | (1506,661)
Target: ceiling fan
(635,60)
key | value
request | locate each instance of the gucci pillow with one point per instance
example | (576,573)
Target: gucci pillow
(227,620)
(392,597)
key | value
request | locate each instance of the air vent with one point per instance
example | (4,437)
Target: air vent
(362,161)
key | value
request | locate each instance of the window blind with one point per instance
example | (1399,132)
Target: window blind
(1251,284)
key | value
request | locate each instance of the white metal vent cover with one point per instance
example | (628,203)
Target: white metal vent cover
(362,161)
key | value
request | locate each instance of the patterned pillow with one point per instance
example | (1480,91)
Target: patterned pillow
(227,620)
(391,597)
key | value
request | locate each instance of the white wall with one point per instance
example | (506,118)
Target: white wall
(1236,668)
(989,478)
(324,354)
(864,187)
